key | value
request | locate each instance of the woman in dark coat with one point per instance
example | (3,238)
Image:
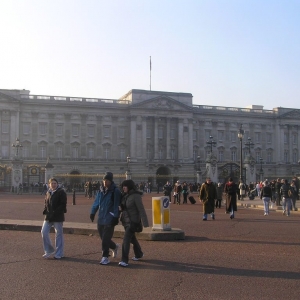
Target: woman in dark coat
(231,190)
(208,195)
(132,211)
(54,211)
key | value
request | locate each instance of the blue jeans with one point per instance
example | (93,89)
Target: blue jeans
(286,205)
(59,238)
(266,201)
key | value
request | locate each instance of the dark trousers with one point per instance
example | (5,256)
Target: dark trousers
(178,198)
(218,203)
(130,238)
(185,198)
(106,233)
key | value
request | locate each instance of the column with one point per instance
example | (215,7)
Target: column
(144,137)
(132,137)
(156,138)
(191,142)
(168,154)
(180,139)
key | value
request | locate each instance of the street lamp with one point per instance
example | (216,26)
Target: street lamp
(128,162)
(198,169)
(249,144)
(211,143)
(261,172)
(240,136)
(17,146)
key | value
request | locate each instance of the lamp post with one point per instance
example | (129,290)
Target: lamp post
(211,143)
(128,174)
(17,146)
(249,144)
(198,169)
(240,136)
(261,171)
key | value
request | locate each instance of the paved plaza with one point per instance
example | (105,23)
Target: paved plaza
(250,257)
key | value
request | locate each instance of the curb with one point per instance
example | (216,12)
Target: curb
(148,233)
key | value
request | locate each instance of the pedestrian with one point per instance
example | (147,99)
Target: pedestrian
(208,196)
(54,211)
(167,190)
(230,190)
(293,194)
(266,196)
(242,189)
(185,192)
(178,191)
(277,191)
(285,193)
(107,201)
(219,195)
(133,211)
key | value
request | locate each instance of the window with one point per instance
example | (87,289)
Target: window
(172,134)
(25,151)
(173,155)
(106,153)
(233,155)
(233,136)
(257,137)
(5,127)
(148,133)
(195,154)
(285,138)
(269,157)
(269,138)
(195,135)
(4,151)
(26,128)
(43,128)
(122,154)
(257,156)
(148,154)
(221,156)
(75,152)
(91,130)
(207,134)
(160,132)
(220,135)
(295,156)
(59,129)
(75,130)
(106,131)
(59,152)
(91,152)
(42,150)
(286,156)
(121,132)
(160,153)
(295,138)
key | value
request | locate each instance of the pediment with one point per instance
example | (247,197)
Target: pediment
(162,102)
(293,114)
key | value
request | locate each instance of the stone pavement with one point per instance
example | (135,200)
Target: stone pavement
(147,234)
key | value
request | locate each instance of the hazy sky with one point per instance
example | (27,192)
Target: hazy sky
(224,52)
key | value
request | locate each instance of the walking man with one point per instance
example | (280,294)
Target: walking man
(208,196)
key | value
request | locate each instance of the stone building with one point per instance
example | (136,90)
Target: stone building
(153,136)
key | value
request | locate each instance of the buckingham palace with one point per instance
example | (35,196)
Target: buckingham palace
(150,136)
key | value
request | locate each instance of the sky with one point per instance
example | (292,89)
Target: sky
(224,52)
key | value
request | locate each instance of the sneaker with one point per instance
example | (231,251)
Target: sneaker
(283,212)
(137,258)
(204,219)
(104,261)
(115,251)
(47,255)
(265,214)
(213,216)
(123,264)
(58,257)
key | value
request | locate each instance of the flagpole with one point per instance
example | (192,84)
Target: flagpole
(150,72)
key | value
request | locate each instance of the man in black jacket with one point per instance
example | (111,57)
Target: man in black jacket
(285,193)
(266,196)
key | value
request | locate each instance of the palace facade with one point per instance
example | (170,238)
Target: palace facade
(153,136)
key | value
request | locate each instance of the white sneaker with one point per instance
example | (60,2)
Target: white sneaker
(114,252)
(104,261)
(265,214)
(123,264)
(47,255)
(137,258)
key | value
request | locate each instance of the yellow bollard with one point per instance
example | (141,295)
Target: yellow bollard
(161,213)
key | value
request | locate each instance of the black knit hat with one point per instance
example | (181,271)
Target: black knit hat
(108,176)
(129,184)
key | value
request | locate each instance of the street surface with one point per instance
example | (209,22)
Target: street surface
(250,257)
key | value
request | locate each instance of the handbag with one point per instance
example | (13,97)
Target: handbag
(136,227)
